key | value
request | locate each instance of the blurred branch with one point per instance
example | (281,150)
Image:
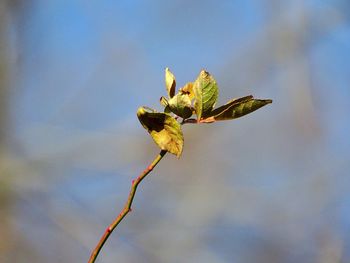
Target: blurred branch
(4,71)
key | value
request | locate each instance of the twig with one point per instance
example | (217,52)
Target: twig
(184,121)
(127,206)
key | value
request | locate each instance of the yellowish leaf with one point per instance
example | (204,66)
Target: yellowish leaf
(170,83)
(163,128)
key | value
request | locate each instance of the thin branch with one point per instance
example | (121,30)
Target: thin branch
(189,121)
(127,206)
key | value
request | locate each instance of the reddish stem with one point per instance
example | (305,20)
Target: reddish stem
(127,206)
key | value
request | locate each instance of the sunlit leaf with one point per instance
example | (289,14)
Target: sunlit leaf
(206,93)
(236,108)
(180,104)
(170,83)
(164,102)
(188,89)
(163,128)
(230,104)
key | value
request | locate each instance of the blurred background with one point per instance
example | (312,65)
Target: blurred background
(270,187)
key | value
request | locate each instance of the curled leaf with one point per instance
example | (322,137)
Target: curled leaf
(180,104)
(229,104)
(170,83)
(236,108)
(206,93)
(188,89)
(163,128)
(164,102)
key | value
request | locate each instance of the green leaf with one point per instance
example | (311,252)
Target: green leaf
(180,104)
(170,83)
(236,108)
(206,93)
(229,104)
(163,128)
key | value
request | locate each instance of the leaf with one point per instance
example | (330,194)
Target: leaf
(164,102)
(229,104)
(163,128)
(206,93)
(180,104)
(236,108)
(188,89)
(170,83)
